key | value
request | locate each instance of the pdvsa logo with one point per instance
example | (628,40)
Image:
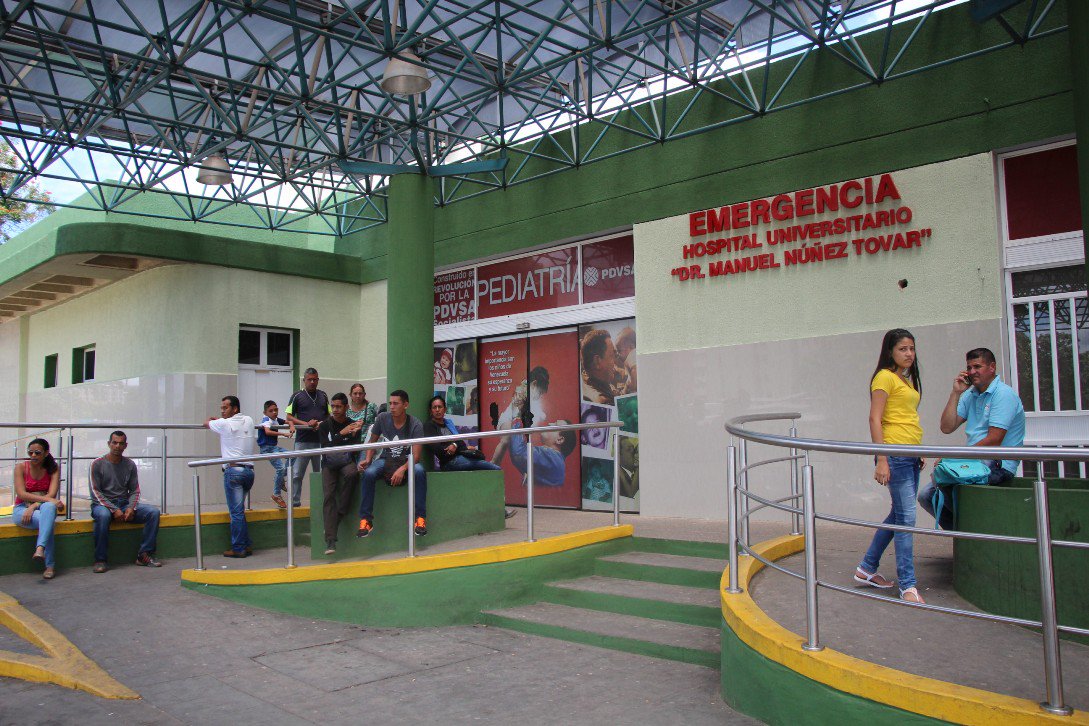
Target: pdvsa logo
(591,276)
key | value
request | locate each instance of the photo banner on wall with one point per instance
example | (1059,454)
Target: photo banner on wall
(609,384)
(456,382)
(533,380)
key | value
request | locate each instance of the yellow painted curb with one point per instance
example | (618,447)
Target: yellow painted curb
(77,526)
(380,568)
(916,694)
(64,664)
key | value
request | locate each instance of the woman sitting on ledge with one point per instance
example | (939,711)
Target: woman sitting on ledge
(37,483)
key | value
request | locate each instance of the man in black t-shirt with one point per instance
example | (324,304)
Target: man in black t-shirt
(339,474)
(306,409)
(392,465)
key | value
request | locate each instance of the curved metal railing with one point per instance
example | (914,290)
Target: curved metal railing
(739,498)
(411,483)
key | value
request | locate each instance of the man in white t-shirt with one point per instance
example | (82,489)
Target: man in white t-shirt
(236,438)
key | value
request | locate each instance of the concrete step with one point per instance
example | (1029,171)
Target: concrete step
(676,603)
(702,572)
(717,550)
(628,633)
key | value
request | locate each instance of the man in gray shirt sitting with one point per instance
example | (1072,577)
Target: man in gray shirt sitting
(115,497)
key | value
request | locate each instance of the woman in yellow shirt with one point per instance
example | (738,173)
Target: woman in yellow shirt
(895,390)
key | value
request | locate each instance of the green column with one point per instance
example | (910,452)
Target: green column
(411,294)
(1078,17)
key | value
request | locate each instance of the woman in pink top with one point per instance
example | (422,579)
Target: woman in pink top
(37,483)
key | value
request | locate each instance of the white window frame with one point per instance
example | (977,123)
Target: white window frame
(1041,253)
(263,354)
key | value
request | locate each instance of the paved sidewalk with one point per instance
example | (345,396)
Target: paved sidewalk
(201,660)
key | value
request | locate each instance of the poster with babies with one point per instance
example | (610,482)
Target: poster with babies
(609,386)
(456,381)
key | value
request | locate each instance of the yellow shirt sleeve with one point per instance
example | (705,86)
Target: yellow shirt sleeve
(885,381)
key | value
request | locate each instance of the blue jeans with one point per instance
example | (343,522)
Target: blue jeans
(903,486)
(371,475)
(947,519)
(300,468)
(42,520)
(144,514)
(279,465)
(237,481)
(464,463)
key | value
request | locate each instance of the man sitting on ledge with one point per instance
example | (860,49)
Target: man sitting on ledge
(995,417)
(396,424)
(115,497)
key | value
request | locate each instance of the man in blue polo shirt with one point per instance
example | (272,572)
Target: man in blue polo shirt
(995,417)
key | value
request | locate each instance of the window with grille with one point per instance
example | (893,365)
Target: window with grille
(1049,319)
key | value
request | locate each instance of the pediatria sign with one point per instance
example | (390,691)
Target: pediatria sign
(541,281)
(857,217)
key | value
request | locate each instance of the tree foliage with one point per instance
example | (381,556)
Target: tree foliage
(27,204)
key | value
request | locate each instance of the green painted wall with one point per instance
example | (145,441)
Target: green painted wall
(459,504)
(77,550)
(1016,592)
(1009,97)
(776,695)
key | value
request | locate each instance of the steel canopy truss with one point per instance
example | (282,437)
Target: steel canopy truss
(128,96)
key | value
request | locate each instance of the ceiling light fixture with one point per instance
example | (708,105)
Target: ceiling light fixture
(214,171)
(405,76)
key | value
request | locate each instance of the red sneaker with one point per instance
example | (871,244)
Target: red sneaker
(365,528)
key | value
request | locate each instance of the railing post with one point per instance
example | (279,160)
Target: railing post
(743,486)
(290,513)
(616,475)
(1048,618)
(162,482)
(196,521)
(731,506)
(795,518)
(411,503)
(529,489)
(15,464)
(69,468)
(812,642)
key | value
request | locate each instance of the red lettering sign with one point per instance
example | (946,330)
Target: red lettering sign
(536,282)
(454,301)
(608,269)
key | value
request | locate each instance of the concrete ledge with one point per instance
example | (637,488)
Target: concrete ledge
(74,540)
(77,526)
(429,563)
(828,675)
(459,504)
(1009,510)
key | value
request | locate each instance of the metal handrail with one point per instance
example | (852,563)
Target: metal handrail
(29,436)
(66,453)
(738,497)
(411,476)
